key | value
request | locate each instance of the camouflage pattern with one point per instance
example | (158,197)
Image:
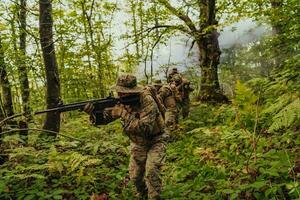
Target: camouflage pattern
(144,168)
(185,107)
(127,84)
(157,84)
(144,125)
(177,79)
(183,86)
(170,97)
(185,89)
(171,74)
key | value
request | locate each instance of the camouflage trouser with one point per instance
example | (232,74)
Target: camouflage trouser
(144,168)
(171,118)
(185,107)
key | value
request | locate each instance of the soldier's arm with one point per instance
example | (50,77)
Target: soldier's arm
(144,121)
(102,117)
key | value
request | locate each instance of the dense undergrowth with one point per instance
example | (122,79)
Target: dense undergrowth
(247,150)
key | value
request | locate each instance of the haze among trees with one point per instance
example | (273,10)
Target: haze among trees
(241,140)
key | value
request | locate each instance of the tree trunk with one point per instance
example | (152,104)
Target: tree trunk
(276,6)
(53,99)
(277,30)
(22,61)
(206,38)
(5,86)
(209,54)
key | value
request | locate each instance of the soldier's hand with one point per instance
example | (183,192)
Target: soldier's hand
(118,111)
(88,108)
(173,86)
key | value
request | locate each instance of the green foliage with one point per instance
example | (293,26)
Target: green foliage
(216,154)
(288,116)
(218,162)
(67,169)
(246,150)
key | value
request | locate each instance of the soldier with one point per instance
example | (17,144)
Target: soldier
(184,88)
(171,74)
(170,97)
(157,84)
(144,126)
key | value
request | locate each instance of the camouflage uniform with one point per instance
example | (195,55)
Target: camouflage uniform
(157,84)
(185,89)
(170,97)
(171,74)
(144,126)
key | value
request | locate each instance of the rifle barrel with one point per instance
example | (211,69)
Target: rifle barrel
(78,105)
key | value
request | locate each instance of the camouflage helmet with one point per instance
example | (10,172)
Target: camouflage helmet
(157,82)
(177,78)
(174,69)
(127,84)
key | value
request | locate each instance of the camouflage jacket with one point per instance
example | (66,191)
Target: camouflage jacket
(170,77)
(169,96)
(184,89)
(143,122)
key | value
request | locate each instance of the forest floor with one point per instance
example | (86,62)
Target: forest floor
(208,157)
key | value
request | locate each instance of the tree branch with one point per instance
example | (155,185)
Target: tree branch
(150,29)
(185,18)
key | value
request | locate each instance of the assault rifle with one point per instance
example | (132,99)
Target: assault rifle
(99,106)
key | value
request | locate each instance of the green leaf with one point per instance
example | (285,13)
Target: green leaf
(258,184)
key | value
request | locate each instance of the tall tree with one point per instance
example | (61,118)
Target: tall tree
(5,85)
(53,99)
(22,58)
(205,36)
(22,68)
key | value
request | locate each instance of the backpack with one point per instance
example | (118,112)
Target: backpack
(162,109)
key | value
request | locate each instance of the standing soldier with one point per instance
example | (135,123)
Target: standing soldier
(170,97)
(144,126)
(184,88)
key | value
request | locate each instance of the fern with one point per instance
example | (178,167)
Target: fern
(245,97)
(75,160)
(287,117)
(278,105)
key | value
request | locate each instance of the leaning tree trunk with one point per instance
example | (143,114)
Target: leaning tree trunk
(5,86)
(52,121)
(209,53)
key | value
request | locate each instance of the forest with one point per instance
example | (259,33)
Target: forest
(241,139)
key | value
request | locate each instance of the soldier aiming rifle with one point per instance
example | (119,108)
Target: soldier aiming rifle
(144,125)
